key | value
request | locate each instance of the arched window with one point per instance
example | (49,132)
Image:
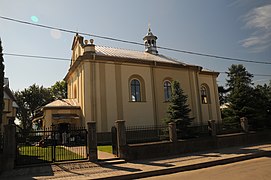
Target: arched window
(204,94)
(135,90)
(167,90)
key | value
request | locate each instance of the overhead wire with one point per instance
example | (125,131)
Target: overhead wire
(136,43)
(67,59)
(36,56)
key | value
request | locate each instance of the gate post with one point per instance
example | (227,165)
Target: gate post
(212,127)
(244,124)
(9,146)
(92,141)
(121,139)
(172,132)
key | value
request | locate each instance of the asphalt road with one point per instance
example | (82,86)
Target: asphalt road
(254,169)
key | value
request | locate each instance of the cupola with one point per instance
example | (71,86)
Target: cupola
(150,42)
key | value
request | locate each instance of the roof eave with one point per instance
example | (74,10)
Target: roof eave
(210,73)
(60,107)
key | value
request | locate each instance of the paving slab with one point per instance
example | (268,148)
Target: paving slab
(139,169)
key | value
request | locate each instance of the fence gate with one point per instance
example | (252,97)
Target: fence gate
(47,146)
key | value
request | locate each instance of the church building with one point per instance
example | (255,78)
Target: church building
(106,84)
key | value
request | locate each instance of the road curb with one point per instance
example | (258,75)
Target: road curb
(187,167)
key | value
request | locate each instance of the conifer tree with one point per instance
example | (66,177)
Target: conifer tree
(178,110)
(241,93)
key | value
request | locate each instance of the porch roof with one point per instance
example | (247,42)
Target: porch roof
(63,104)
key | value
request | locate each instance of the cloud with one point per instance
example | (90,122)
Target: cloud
(259,20)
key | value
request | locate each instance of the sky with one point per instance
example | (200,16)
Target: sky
(230,28)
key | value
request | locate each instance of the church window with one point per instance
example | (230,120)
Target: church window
(204,94)
(135,90)
(167,90)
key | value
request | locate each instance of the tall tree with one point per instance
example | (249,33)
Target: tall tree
(29,100)
(222,95)
(2,76)
(178,110)
(59,90)
(262,105)
(241,93)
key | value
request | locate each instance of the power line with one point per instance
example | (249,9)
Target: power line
(136,43)
(36,56)
(69,31)
(67,59)
(215,56)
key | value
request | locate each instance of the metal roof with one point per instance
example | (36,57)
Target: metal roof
(64,103)
(125,53)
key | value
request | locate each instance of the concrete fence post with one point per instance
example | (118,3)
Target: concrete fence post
(172,132)
(212,127)
(9,150)
(244,124)
(121,139)
(92,141)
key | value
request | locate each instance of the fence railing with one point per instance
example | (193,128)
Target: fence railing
(104,138)
(1,143)
(227,129)
(46,146)
(198,130)
(142,134)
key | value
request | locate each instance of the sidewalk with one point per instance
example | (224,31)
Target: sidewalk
(139,169)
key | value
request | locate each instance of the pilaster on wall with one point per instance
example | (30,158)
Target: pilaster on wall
(197,97)
(155,100)
(193,97)
(119,91)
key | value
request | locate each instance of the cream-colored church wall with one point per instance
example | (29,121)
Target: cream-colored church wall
(137,113)
(162,74)
(87,110)
(82,93)
(48,121)
(111,99)
(211,110)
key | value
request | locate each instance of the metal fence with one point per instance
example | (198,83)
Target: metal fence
(104,138)
(1,143)
(204,130)
(143,134)
(46,146)
(197,130)
(228,129)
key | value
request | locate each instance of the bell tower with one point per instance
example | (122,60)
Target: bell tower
(150,42)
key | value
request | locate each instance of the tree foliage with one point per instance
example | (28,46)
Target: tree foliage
(31,99)
(246,100)
(262,106)
(178,110)
(222,92)
(59,90)
(2,67)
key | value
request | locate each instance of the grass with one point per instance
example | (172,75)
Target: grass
(39,154)
(105,148)
(34,154)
